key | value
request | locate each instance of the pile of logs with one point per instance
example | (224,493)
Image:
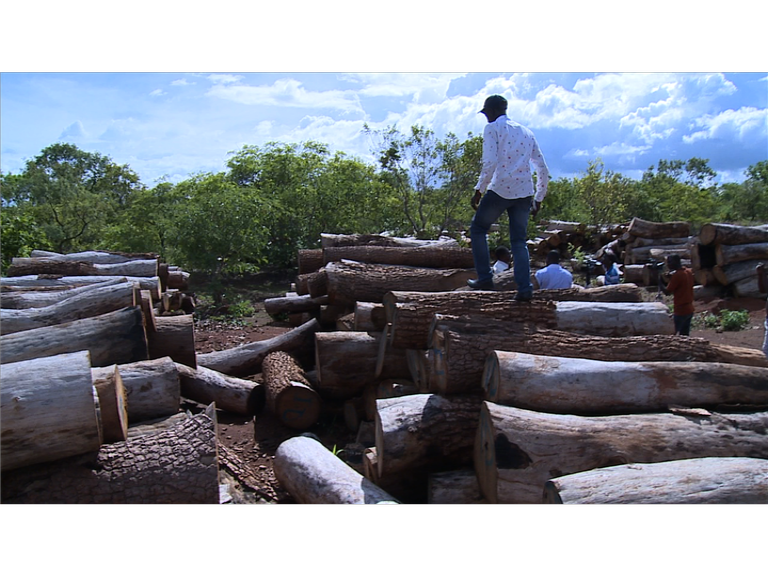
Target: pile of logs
(567,236)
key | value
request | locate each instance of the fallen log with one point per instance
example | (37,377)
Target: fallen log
(561,385)
(174,337)
(732,234)
(293,304)
(640,242)
(731,273)
(311,474)
(614,318)
(152,388)
(145,283)
(748,288)
(95,256)
(647,229)
(369,317)
(517,450)
(433,256)
(113,402)
(633,274)
(454,487)
(310,260)
(725,254)
(391,388)
(99,300)
(30,266)
(155,425)
(230,394)
(691,481)
(175,466)
(25,299)
(49,409)
(246,359)
(113,338)
(317,283)
(334,240)
(288,392)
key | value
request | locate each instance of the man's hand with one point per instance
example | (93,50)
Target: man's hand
(535,208)
(476,199)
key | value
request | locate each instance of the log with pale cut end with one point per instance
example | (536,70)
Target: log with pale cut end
(152,388)
(42,281)
(100,300)
(425,431)
(731,273)
(173,336)
(150,324)
(690,481)
(725,254)
(562,385)
(293,304)
(21,300)
(289,394)
(517,450)
(113,338)
(732,234)
(459,348)
(369,317)
(351,282)
(312,474)
(648,229)
(113,403)
(229,393)
(614,318)
(246,359)
(434,256)
(174,466)
(346,363)
(310,260)
(49,409)
(29,266)
(454,487)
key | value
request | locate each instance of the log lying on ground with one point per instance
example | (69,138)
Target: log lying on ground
(691,481)
(312,474)
(454,487)
(95,256)
(725,254)
(748,288)
(152,388)
(173,336)
(434,256)
(517,450)
(346,363)
(174,466)
(289,395)
(562,385)
(731,273)
(230,394)
(350,282)
(614,318)
(49,410)
(22,299)
(246,360)
(732,234)
(332,240)
(145,283)
(30,266)
(114,338)
(293,304)
(647,229)
(99,300)
(459,349)
(113,403)
(391,388)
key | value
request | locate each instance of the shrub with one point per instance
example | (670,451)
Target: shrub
(733,320)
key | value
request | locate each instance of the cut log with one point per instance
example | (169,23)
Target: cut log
(640,242)
(23,299)
(148,427)
(231,394)
(49,410)
(425,431)
(99,300)
(151,284)
(731,273)
(352,282)
(517,450)
(725,254)
(114,338)
(614,318)
(312,474)
(246,359)
(748,288)
(174,336)
(293,304)
(658,253)
(95,256)
(310,260)
(113,403)
(454,487)
(152,387)
(732,234)
(346,363)
(647,229)
(150,324)
(178,279)
(288,392)
(369,317)
(434,256)
(391,388)
(332,240)
(175,466)
(460,347)
(317,283)
(690,481)
(29,266)
(561,385)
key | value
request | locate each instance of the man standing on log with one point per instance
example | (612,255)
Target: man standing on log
(762,286)
(509,149)
(681,287)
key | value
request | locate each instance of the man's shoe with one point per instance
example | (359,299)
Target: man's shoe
(480,285)
(523,296)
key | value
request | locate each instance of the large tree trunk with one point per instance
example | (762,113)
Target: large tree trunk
(738,253)
(173,336)
(517,450)
(113,403)
(614,318)
(49,410)
(691,481)
(333,240)
(732,234)
(586,387)
(246,360)
(87,304)
(731,273)
(153,388)
(175,466)
(28,266)
(313,475)
(289,394)
(369,317)
(392,388)
(310,260)
(647,229)
(460,347)
(94,256)
(352,282)
(25,299)
(346,363)
(114,338)
(434,256)
(293,304)
(748,288)
(230,394)
(145,283)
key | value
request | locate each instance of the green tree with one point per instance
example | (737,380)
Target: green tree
(605,194)
(746,202)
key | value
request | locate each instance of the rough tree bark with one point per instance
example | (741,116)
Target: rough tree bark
(725,254)
(43,281)
(434,256)
(30,266)
(152,388)
(732,234)
(647,229)
(293,304)
(231,394)
(454,487)
(731,273)
(173,336)
(23,299)
(289,394)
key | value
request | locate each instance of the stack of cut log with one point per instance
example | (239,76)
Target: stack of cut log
(563,236)
(726,256)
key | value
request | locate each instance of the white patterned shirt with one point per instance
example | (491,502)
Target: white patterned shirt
(509,149)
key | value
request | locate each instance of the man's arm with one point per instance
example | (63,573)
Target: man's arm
(542,177)
(490,157)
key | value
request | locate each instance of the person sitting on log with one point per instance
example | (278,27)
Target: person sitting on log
(503,259)
(680,285)
(611,272)
(553,276)
(762,286)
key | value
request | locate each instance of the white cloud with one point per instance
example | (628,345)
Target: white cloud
(182,82)
(73,132)
(224,78)
(157,92)
(421,87)
(738,125)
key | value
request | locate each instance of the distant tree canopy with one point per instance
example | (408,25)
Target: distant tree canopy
(275,199)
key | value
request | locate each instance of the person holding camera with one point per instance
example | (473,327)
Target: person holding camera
(553,276)
(680,286)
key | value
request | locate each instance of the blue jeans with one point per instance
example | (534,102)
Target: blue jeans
(490,208)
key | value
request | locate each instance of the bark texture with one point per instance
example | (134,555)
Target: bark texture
(229,393)
(433,256)
(152,388)
(289,394)
(647,229)
(174,337)
(732,234)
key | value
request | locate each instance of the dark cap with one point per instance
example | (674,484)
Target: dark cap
(495,103)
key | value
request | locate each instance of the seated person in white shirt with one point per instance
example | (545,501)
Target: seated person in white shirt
(553,276)
(503,258)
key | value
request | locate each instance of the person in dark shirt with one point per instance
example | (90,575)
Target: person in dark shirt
(680,286)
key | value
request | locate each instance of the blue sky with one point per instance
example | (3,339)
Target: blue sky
(171,125)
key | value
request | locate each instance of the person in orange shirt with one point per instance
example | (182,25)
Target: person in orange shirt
(680,285)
